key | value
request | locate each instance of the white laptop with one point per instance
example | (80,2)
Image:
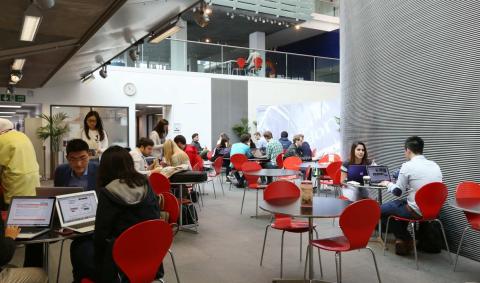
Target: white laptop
(32,214)
(77,211)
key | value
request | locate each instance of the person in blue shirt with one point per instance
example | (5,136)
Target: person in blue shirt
(78,172)
(242,147)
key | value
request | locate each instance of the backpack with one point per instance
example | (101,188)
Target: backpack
(429,238)
(189,215)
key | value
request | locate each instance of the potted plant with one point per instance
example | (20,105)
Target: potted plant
(241,128)
(55,128)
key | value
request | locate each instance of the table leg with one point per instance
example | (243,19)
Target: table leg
(45,258)
(379,239)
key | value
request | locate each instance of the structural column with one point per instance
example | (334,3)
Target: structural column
(256,41)
(178,49)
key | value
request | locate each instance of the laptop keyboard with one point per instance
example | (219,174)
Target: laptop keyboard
(83,225)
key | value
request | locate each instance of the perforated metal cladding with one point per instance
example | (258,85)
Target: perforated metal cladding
(413,68)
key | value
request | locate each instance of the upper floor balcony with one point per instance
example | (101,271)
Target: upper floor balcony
(204,57)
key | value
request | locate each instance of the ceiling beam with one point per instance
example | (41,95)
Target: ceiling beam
(21,52)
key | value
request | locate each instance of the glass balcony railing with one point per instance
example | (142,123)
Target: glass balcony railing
(191,56)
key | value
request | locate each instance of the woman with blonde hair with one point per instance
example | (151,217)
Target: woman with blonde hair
(173,156)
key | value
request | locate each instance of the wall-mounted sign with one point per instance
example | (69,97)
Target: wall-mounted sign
(11,98)
(177,128)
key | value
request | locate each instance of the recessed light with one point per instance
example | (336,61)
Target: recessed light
(207,40)
(10,106)
(18,64)
(297,27)
(154,106)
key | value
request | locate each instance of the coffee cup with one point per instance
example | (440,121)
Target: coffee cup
(366,180)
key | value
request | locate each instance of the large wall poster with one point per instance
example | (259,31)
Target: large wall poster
(318,121)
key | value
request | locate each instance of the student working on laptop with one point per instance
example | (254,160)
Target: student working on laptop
(124,199)
(415,173)
(358,156)
(7,249)
(78,172)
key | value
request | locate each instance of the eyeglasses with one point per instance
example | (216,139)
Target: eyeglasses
(78,159)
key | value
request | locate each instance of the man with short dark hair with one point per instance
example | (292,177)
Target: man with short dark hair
(196,143)
(305,148)
(414,174)
(144,149)
(274,149)
(78,172)
(189,149)
(284,140)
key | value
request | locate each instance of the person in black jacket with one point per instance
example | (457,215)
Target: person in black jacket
(124,199)
(7,249)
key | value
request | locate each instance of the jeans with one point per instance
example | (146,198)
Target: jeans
(397,208)
(82,258)
(268,165)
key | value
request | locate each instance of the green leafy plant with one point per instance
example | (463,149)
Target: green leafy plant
(55,128)
(241,128)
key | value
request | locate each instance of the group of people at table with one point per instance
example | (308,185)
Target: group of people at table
(126,198)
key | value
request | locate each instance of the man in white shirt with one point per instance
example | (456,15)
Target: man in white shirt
(413,175)
(144,149)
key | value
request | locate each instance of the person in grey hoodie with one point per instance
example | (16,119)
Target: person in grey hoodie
(124,199)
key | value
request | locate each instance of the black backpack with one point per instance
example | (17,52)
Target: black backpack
(429,237)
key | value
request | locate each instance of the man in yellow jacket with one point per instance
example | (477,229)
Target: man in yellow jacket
(19,172)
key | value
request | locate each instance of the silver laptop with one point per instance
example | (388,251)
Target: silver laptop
(378,174)
(32,214)
(77,211)
(56,191)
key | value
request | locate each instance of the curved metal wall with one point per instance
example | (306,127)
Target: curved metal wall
(413,68)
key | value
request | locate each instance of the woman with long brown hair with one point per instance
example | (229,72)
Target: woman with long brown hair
(158,136)
(94,134)
(358,156)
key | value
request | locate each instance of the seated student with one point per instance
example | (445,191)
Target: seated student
(274,149)
(306,150)
(414,174)
(189,149)
(196,143)
(220,150)
(7,249)
(295,149)
(358,156)
(124,199)
(284,140)
(78,172)
(242,147)
(260,142)
(144,148)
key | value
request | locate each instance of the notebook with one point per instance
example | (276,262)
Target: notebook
(77,211)
(32,214)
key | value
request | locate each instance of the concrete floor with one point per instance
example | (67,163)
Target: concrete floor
(228,246)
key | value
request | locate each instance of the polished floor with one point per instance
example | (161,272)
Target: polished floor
(228,245)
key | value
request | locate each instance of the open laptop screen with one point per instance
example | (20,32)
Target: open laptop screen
(378,174)
(30,211)
(77,207)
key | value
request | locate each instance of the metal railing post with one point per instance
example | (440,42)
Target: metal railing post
(221,57)
(314,69)
(286,65)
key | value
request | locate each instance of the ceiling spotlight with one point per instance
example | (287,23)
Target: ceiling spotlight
(134,53)
(45,4)
(207,40)
(232,16)
(103,72)
(167,31)
(228,14)
(18,64)
(31,22)
(297,27)
(263,21)
(248,18)
(271,22)
(16,76)
(201,15)
(87,78)
(255,20)
(279,23)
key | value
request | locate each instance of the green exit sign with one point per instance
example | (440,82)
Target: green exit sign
(12,98)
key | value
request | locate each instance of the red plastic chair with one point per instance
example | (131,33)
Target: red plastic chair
(291,163)
(279,160)
(237,160)
(356,233)
(257,63)
(217,173)
(159,182)
(209,154)
(252,181)
(172,207)
(465,191)
(326,158)
(140,249)
(429,199)
(333,176)
(241,62)
(284,190)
